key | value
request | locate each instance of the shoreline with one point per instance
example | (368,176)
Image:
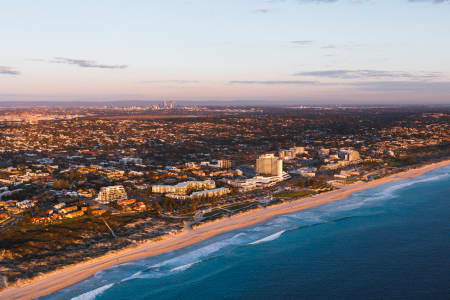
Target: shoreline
(67,276)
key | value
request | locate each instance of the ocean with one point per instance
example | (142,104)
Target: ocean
(387,242)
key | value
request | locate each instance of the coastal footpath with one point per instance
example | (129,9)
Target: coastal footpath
(59,279)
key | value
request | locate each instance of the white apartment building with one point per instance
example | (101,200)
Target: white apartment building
(183,187)
(257,182)
(291,153)
(211,193)
(201,194)
(111,193)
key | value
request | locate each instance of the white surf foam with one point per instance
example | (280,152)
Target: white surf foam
(423,179)
(183,267)
(130,264)
(281,220)
(433,178)
(363,198)
(308,217)
(348,205)
(94,293)
(185,261)
(268,238)
(201,252)
(135,275)
(257,229)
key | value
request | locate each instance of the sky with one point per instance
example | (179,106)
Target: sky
(304,51)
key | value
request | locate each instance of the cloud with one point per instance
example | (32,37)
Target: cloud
(273,82)
(359,1)
(317,1)
(35,59)
(304,1)
(303,43)
(171,81)
(361,74)
(8,71)
(404,86)
(363,1)
(262,11)
(431,1)
(85,63)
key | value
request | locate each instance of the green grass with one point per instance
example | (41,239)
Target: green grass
(189,215)
(214,212)
(293,194)
(238,206)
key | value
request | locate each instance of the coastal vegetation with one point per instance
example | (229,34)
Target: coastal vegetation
(29,249)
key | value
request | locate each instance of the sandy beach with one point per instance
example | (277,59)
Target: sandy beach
(70,275)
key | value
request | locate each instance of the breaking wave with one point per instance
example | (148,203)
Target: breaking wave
(94,293)
(391,191)
(268,238)
(184,267)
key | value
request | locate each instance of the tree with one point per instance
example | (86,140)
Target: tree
(60,184)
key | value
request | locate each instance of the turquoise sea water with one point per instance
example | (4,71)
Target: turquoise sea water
(388,242)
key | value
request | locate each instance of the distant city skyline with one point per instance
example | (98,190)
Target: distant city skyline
(292,51)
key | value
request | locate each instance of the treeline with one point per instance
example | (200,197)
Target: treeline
(182,206)
(311,182)
(421,155)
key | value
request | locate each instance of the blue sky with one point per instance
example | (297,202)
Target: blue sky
(342,51)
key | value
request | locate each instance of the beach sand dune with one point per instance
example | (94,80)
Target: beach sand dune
(70,275)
